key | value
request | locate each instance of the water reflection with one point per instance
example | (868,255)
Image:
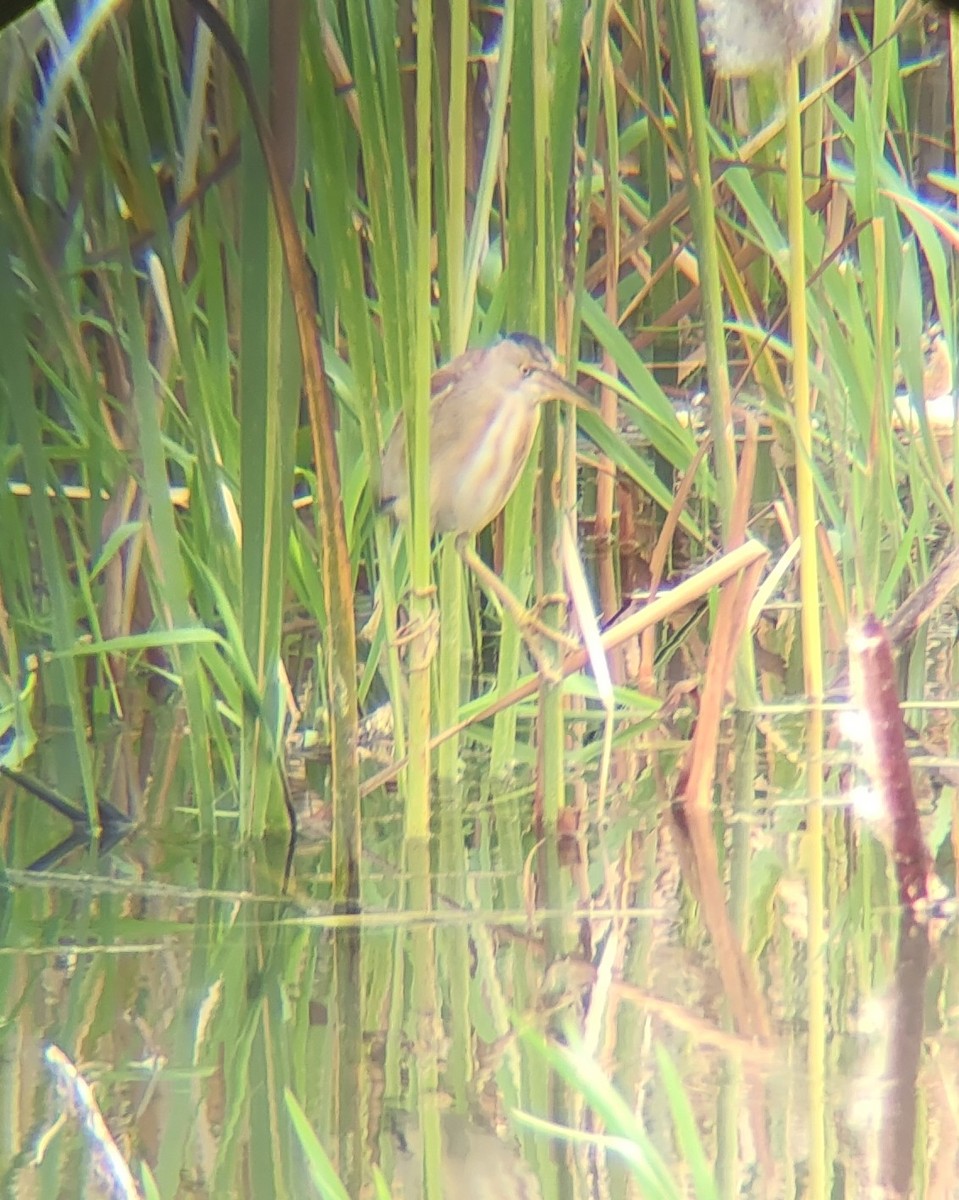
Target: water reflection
(422,1037)
(885,1095)
(475,1163)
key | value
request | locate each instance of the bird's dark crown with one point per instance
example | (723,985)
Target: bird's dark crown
(532,344)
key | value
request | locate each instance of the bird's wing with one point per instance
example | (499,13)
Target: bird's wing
(444,378)
(457,422)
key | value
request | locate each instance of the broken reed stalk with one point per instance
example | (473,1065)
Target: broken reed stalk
(884,755)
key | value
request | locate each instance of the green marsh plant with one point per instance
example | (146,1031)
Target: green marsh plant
(535,169)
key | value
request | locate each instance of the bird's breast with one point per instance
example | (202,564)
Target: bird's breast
(486,474)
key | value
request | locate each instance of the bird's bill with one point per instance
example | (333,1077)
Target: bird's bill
(562,389)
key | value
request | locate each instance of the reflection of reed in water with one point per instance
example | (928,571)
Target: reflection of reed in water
(476,1165)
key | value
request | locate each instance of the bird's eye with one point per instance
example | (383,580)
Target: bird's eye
(526,370)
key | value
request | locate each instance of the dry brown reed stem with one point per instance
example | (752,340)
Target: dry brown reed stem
(697,782)
(885,757)
(731,615)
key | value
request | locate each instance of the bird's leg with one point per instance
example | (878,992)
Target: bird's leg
(527,621)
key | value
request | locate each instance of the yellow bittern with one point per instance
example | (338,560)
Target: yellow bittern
(484,413)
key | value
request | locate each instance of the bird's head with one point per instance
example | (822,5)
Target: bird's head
(521,367)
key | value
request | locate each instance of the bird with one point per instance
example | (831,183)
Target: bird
(484,412)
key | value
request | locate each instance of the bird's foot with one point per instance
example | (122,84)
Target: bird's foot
(421,636)
(533,618)
(547,644)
